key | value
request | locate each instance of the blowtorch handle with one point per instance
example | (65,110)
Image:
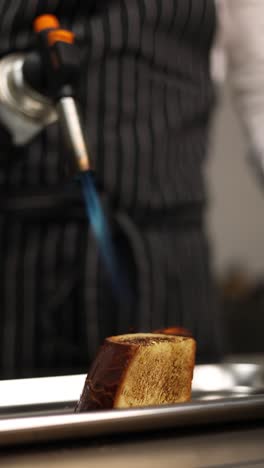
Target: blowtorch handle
(60,57)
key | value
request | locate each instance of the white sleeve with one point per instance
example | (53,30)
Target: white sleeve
(241,39)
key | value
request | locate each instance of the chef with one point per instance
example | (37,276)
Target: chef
(147,92)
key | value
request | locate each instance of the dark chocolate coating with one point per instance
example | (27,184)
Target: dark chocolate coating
(105,375)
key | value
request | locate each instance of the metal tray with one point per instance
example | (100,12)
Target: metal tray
(38,410)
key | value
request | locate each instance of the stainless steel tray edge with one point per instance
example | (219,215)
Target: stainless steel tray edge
(89,425)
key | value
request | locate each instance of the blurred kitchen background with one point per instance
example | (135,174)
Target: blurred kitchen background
(235,221)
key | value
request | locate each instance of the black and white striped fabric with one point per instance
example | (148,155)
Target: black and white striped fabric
(145,96)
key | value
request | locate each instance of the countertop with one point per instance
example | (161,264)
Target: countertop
(226,447)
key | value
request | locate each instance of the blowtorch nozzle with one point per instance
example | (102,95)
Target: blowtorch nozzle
(71,124)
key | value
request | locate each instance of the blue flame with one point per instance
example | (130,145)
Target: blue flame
(102,233)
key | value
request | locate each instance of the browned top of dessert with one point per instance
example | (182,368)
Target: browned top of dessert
(147,340)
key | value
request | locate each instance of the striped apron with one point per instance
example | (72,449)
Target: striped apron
(146,97)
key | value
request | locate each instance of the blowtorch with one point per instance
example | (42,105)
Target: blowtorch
(38,89)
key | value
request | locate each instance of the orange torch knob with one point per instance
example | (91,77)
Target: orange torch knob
(45,22)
